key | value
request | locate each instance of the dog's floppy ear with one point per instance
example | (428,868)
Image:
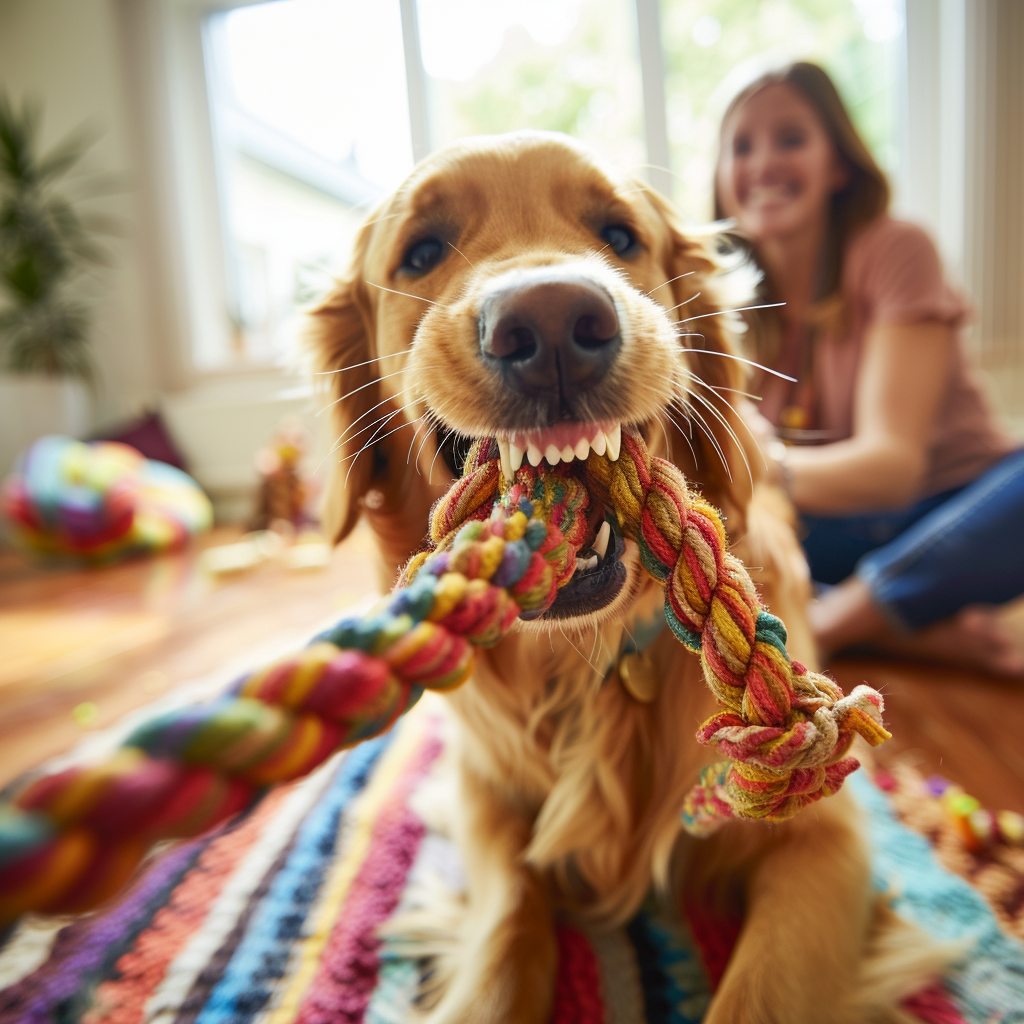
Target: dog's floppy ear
(718,452)
(370,472)
(341,336)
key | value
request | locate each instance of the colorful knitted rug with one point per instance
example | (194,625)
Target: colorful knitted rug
(273,919)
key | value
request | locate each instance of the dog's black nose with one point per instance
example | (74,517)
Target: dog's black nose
(547,329)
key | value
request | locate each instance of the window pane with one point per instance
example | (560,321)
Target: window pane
(857,41)
(311,123)
(561,65)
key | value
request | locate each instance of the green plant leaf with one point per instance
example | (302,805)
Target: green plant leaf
(46,243)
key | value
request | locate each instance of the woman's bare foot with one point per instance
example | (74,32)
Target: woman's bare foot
(974,638)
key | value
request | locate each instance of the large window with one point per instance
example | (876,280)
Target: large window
(558,65)
(317,107)
(309,109)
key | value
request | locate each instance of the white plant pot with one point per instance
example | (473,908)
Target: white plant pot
(33,405)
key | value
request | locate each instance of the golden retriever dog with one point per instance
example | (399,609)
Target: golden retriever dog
(515,287)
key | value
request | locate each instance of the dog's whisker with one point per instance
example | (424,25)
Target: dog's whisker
(653,167)
(696,414)
(687,436)
(565,636)
(696,295)
(387,419)
(369,445)
(355,366)
(739,359)
(372,409)
(682,434)
(347,434)
(408,295)
(368,384)
(738,309)
(463,255)
(342,438)
(338,444)
(444,441)
(671,280)
(432,421)
(408,454)
(693,416)
(432,426)
(740,417)
(718,388)
(728,428)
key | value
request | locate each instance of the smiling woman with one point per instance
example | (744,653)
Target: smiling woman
(909,492)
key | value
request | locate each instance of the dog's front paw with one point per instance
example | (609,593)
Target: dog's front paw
(509,978)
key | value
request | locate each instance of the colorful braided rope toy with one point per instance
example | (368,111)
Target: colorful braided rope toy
(100,501)
(70,839)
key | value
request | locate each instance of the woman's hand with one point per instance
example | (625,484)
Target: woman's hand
(773,451)
(901,382)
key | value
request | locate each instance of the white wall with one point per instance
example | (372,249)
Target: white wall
(68,54)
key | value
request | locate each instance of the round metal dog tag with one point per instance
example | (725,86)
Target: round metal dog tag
(639,677)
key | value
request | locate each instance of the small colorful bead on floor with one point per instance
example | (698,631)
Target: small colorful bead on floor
(984,847)
(502,549)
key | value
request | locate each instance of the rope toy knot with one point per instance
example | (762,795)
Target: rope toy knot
(786,730)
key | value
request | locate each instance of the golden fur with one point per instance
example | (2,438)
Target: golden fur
(570,790)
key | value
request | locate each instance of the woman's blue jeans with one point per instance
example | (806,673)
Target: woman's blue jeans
(926,562)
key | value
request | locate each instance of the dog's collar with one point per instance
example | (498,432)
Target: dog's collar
(633,665)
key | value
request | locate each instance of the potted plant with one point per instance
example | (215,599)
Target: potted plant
(46,246)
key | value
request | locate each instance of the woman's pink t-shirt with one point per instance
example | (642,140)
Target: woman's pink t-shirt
(892,274)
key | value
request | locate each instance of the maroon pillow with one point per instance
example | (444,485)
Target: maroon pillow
(149,435)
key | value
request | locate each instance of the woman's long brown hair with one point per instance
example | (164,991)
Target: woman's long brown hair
(864,197)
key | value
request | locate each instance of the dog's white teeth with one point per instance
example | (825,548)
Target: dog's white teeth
(583,564)
(600,544)
(614,442)
(512,453)
(506,464)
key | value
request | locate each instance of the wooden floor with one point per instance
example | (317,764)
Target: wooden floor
(81,648)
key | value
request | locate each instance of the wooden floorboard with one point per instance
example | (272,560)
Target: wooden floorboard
(962,725)
(109,640)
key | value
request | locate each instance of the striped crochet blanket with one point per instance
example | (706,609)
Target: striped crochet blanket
(274,919)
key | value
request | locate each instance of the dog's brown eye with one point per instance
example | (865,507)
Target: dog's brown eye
(422,256)
(620,238)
